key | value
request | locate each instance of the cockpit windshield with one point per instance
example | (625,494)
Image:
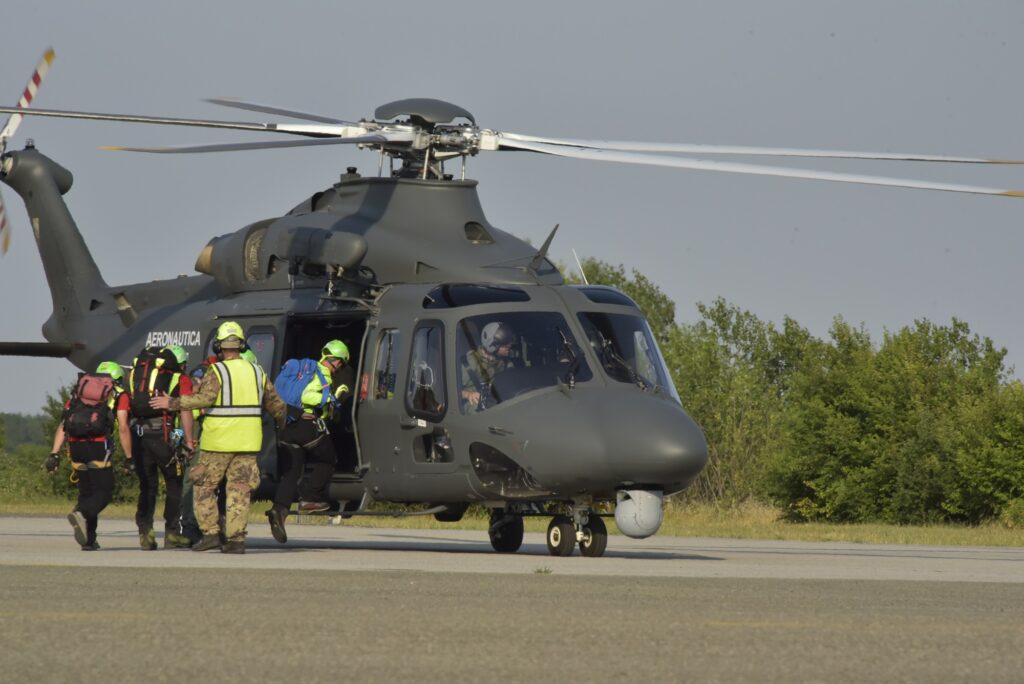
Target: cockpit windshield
(627,350)
(503,355)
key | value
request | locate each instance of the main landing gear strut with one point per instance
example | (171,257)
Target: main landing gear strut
(583,527)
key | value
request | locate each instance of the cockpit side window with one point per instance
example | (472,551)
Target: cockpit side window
(627,350)
(426,390)
(503,355)
(386,366)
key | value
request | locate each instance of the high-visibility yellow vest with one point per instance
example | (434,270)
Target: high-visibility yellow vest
(234,424)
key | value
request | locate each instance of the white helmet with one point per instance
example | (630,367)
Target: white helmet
(495,334)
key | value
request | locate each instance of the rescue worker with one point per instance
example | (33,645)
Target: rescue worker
(235,393)
(91,462)
(155,455)
(480,365)
(308,438)
(189,524)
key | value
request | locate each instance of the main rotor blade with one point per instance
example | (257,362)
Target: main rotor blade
(236,147)
(269,109)
(26,98)
(686,148)
(321,131)
(733,167)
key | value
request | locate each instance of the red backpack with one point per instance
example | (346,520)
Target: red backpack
(88,415)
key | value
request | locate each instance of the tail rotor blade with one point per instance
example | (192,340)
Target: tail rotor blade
(26,98)
(5,231)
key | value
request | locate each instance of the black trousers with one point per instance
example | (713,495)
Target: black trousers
(292,457)
(152,455)
(95,490)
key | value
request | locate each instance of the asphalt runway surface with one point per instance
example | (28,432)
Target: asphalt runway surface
(341,602)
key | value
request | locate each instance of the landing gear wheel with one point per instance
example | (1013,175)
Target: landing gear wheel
(595,537)
(506,532)
(561,536)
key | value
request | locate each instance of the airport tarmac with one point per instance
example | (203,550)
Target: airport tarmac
(341,602)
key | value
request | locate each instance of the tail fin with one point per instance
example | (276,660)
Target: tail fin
(76,285)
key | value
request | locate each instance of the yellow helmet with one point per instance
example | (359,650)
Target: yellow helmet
(112,369)
(336,349)
(230,335)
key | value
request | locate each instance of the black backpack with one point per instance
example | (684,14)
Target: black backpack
(89,416)
(151,361)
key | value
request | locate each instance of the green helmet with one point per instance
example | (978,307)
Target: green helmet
(180,355)
(336,349)
(250,356)
(112,369)
(227,331)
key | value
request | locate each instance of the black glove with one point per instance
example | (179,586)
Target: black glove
(52,463)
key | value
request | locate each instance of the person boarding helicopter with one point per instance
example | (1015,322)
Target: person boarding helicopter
(306,436)
(235,393)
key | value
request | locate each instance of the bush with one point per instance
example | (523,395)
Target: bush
(1013,514)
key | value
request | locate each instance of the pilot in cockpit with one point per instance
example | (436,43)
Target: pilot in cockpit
(490,357)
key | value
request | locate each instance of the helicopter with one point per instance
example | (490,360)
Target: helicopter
(406,269)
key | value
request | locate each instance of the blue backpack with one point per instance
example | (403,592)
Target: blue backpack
(292,380)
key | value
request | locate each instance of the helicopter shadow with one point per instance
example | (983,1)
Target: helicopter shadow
(413,543)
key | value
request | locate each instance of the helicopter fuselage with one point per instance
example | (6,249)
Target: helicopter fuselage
(580,408)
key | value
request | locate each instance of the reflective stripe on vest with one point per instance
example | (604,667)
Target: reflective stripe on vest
(234,424)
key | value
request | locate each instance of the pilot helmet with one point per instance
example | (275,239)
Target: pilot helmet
(496,334)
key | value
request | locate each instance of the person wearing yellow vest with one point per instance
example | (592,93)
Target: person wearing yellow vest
(234,393)
(307,438)
(91,462)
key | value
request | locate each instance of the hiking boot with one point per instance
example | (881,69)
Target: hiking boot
(233,547)
(276,518)
(209,541)
(77,521)
(173,540)
(93,546)
(314,506)
(147,539)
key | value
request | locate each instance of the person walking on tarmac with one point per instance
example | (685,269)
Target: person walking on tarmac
(306,437)
(189,524)
(162,372)
(86,426)
(235,393)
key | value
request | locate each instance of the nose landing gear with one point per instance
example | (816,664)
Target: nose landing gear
(585,528)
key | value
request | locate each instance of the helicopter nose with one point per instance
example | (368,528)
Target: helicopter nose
(600,442)
(651,441)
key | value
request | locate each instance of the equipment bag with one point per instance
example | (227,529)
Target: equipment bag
(88,415)
(151,376)
(292,380)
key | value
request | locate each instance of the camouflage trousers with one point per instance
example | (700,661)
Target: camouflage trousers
(242,474)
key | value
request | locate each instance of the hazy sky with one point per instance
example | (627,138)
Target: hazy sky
(926,76)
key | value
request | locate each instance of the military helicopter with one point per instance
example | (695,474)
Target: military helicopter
(406,269)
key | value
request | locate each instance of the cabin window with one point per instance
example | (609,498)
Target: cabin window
(627,351)
(477,234)
(504,355)
(387,365)
(455,295)
(425,393)
(262,344)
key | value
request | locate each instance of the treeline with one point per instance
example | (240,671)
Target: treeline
(927,425)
